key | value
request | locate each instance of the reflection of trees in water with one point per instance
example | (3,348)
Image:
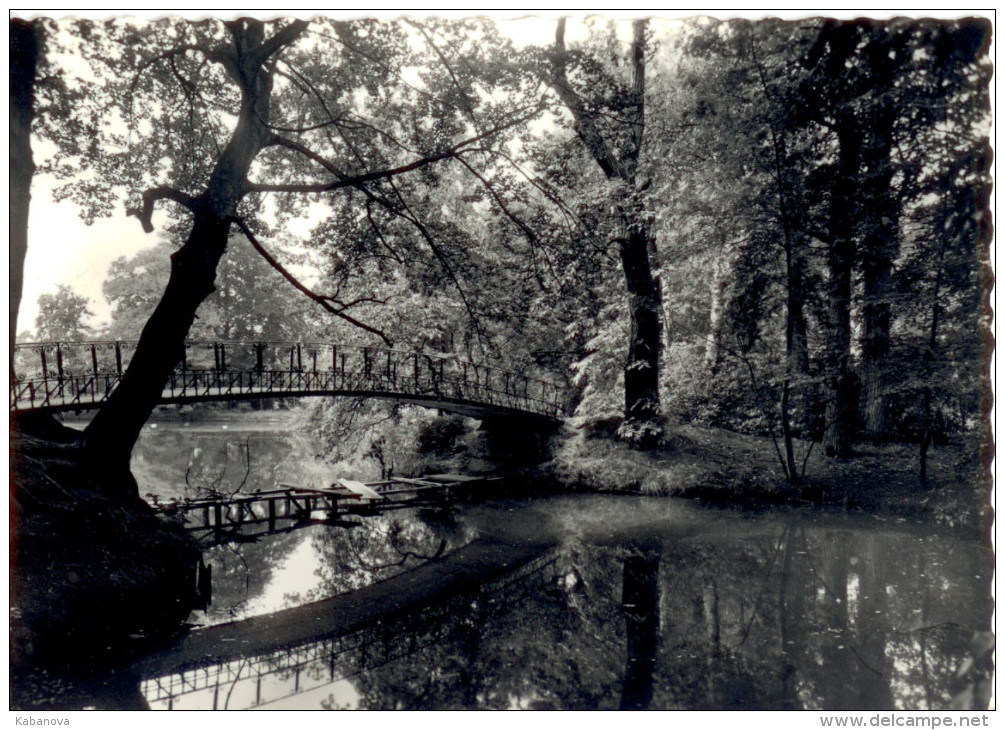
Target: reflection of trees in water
(799,618)
(814,619)
(241,571)
(555,640)
(398,636)
(825,619)
(347,558)
(640,600)
(382,546)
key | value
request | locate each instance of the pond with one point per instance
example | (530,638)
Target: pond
(576,602)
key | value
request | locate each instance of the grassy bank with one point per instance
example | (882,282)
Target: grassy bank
(726,468)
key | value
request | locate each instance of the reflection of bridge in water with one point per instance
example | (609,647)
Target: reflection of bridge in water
(268,658)
(68,376)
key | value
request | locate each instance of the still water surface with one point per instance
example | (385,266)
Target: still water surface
(629,602)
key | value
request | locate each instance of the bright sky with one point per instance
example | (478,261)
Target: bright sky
(63,250)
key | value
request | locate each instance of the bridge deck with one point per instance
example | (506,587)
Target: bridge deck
(76,376)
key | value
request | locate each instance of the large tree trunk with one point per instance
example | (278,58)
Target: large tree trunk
(109,438)
(929,357)
(112,433)
(23,60)
(842,405)
(881,216)
(642,400)
(643,425)
(830,101)
(797,359)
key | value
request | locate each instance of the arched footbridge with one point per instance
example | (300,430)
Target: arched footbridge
(72,376)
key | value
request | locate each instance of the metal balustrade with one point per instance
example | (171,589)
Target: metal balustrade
(326,659)
(61,376)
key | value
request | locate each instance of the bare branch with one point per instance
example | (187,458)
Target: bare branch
(324,301)
(281,38)
(181,50)
(279,141)
(345,181)
(440,256)
(443,59)
(543,188)
(308,88)
(152,196)
(523,227)
(379,233)
(396,71)
(354,122)
(585,124)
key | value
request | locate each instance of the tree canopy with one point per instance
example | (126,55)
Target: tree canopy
(758,225)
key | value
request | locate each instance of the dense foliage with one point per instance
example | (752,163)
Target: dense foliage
(773,227)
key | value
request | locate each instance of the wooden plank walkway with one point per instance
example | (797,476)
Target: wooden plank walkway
(463,572)
(220,520)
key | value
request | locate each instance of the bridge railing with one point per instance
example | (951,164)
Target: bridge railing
(63,374)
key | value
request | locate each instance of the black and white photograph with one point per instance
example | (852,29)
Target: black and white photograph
(557,360)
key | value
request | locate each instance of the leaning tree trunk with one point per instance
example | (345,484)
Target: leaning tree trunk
(109,438)
(23,60)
